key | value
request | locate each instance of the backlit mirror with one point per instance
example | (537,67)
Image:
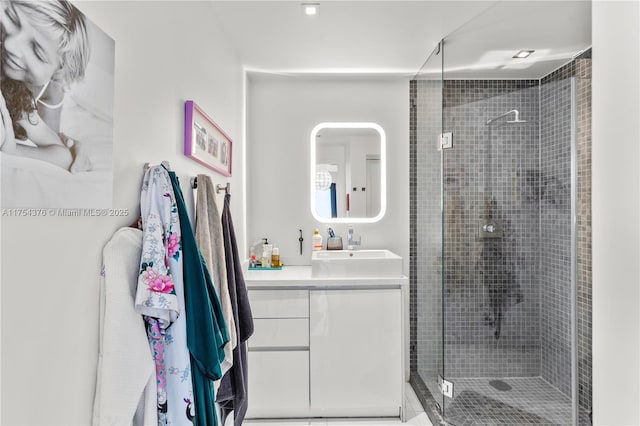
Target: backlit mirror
(348,172)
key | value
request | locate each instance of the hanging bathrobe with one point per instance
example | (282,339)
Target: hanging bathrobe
(207,333)
(160,297)
(126,382)
(210,240)
(232,395)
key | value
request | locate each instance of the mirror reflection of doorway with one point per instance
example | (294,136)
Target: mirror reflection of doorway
(326,202)
(373,185)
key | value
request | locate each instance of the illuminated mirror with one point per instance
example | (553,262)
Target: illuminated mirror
(348,172)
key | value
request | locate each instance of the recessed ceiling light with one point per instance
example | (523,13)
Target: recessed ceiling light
(523,54)
(310,9)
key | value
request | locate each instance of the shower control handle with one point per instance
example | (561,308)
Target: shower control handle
(489,228)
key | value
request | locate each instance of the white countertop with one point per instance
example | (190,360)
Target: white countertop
(300,276)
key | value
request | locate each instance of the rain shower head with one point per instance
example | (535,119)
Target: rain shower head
(516,118)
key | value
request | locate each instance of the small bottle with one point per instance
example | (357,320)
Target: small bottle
(266,253)
(316,241)
(264,260)
(253,261)
(275,258)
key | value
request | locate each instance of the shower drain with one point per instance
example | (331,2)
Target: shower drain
(500,385)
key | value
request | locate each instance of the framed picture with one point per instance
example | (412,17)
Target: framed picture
(204,141)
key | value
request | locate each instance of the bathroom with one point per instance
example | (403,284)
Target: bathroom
(179,50)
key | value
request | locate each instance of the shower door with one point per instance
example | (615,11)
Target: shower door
(426,280)
(508,252)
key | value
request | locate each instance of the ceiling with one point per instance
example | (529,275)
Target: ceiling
(394,38)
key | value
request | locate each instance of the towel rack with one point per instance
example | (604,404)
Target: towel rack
(226,188)
(219,188)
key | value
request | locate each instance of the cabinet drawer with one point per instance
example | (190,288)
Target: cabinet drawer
(280,332)
(279,303)
(278,384)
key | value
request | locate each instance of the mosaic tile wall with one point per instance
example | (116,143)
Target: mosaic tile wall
(507,313)
(555,233)
(556,107)
(583,79)
(413,189)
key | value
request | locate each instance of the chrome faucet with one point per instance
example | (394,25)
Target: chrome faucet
(351,243)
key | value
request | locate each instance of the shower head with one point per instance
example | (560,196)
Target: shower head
(516,118)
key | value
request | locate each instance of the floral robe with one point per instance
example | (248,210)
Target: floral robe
(160,298)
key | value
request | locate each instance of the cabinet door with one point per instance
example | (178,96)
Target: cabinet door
(278,384)
(356,352)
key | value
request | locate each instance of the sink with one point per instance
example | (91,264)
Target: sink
(355,264)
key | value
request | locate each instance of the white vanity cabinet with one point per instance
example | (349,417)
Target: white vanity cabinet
(325,348)
(278,358)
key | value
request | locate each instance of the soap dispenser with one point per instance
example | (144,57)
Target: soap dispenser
(266,253)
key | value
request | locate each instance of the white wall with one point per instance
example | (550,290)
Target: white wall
(281,112)
(166,53)
(616,213)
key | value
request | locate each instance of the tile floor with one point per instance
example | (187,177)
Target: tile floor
(531,400)
(415,417)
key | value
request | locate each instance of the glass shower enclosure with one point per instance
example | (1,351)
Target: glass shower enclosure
(500,305)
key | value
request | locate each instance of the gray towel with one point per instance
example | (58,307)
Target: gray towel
(211,242)
(232,395)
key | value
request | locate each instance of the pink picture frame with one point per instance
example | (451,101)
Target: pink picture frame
(204,141)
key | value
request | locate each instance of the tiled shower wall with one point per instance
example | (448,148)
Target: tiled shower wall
(556,98)
(506,299)
(584,272)
(555,233)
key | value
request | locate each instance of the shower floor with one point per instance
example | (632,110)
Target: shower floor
(530,401)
